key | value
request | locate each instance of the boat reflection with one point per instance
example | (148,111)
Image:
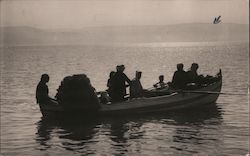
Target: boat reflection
(197,115)
(118,132)
(196,128)
(72,134)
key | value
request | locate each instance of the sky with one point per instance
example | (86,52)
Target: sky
(54,14)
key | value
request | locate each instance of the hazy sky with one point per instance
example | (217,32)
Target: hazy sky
(81,13)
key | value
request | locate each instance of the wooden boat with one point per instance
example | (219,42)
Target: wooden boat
(173,101)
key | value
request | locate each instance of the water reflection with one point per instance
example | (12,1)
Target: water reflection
(122,132)
(43,131)
(197,127)
(198,115)
(190,130)
(72,135)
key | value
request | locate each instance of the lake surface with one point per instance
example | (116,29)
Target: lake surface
(217,129)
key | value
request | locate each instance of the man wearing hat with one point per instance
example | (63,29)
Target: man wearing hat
(119,84)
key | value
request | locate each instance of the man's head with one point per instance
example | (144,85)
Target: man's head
(111,74)
(161,78)
(180,67)
(194,67)
(138,75)
(45,78)
(120,68)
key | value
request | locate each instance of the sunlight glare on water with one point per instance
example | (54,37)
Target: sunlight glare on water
(221,129)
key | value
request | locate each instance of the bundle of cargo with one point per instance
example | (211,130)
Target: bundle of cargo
(76,92)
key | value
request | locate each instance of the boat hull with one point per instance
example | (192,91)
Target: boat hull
(143,105)
(164,103)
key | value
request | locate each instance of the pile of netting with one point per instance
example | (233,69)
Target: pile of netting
(76,92)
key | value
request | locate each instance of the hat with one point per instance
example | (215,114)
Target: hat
(120,67)
(138,73)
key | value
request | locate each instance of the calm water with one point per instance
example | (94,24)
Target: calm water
(218,129)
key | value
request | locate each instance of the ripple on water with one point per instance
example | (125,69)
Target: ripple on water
(221,129)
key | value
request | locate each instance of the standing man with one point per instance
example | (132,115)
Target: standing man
(119,84)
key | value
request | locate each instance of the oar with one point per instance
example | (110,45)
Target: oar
(197,92)
(211,92)
(150,88)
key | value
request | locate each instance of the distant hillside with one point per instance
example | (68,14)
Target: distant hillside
(125,34)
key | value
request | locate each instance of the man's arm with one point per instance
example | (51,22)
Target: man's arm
(127,79)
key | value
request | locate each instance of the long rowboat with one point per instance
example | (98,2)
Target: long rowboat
(173,101)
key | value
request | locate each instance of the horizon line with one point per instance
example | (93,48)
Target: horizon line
(99,26)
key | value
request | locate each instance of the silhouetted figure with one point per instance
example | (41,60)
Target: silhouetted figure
(136,89)
(42,91)
(192,74)
(119,84)
(179,80)
(161,84)
(76,92)
(110,84)
(104,98)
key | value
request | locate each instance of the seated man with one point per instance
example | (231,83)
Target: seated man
(192,75)
(110,84)
(136,89)
(42,91)
(104,98)
(179,80)
(161,84)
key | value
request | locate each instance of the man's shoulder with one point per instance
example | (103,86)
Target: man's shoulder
(41,85)
(135,80)
(176,73)
(118,74)
(189,72)
(124,74)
